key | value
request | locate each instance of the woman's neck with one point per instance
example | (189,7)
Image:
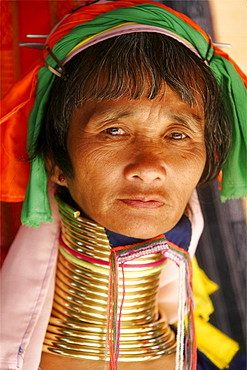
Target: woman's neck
(79,323)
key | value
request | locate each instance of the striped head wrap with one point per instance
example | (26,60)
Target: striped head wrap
(88,25)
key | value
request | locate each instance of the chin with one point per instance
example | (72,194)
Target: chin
(142,227)
(140,232)
(147,236)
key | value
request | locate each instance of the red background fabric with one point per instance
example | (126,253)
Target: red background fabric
(18,19)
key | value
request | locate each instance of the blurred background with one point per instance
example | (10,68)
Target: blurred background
(222,248)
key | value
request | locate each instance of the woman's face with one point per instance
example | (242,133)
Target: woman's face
(136,162)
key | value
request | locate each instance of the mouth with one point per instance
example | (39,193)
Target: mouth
(144,202)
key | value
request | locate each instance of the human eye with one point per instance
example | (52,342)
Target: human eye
(177,135)
(114,131)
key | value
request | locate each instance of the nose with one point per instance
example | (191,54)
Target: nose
(146,166)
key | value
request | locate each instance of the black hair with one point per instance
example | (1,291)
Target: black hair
(134,65)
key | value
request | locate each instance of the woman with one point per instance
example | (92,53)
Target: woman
(128,119)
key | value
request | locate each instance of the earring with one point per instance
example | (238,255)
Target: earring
(61,178)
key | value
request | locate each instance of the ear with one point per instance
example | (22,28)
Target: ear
(55,174)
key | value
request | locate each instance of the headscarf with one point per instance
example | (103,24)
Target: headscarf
(24,107)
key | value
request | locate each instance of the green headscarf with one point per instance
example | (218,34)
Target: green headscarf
(36,206)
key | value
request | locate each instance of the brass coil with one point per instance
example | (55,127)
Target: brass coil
(78,322)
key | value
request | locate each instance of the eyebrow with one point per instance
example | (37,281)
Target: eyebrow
(189,120)
(108,116)
(113,115)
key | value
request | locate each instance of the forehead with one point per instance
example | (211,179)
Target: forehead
(166,105)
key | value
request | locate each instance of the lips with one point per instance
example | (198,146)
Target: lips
(144,203)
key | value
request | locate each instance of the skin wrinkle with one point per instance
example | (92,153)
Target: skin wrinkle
(143,161)
(145,63)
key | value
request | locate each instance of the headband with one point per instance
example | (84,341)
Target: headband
(77,31)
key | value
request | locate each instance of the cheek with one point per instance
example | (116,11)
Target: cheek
(190,165)
(196,155)
(93,154)
(95,170)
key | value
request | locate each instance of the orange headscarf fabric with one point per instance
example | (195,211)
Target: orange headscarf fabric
(18,104)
